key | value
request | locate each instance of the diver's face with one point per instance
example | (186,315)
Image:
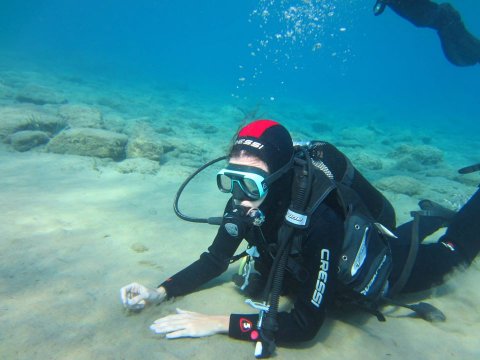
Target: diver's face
(247,160)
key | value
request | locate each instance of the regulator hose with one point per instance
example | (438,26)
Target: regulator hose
(211,220)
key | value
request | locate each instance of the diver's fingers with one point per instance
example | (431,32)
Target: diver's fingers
(186,312)
(136,303)
(179,334)
(174,320)
(168,325)
(129,289)
(188,324)
(123,295)
(126,293)
(174,330)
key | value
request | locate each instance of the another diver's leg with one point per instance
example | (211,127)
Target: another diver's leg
(421,13)
(459,46)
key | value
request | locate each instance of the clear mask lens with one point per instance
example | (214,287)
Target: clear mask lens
(244,185)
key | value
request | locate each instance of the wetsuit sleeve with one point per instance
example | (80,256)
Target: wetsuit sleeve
(211,264)
(320,252)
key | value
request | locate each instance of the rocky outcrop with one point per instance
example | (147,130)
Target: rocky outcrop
(14,119)
(145,146)
(357,137)
(139,165)
(81,116)
(415,158)
(40,95)
(400,184)
(28,139)
(89,142)
(365,161)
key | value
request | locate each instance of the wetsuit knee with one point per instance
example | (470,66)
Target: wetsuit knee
(464,229)
(433,263)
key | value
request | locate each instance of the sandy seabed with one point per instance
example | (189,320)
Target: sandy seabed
(74,230)
(71,235)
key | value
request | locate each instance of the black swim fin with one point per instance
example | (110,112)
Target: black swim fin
(379,7)
(427,312)
(431,208)
(423,310)
(469,169)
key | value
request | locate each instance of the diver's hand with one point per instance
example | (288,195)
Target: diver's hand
(190,324)
(135,296)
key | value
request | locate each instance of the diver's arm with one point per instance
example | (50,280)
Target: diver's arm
(210,264)
(206,268)
(301,324)
(135,296)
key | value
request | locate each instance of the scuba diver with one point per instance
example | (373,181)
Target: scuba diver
(459,46)
(316,230)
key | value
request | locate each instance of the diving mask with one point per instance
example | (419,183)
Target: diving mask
(244,182)
(248,182)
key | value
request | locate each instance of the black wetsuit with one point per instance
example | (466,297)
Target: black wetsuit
(303,322)
(458,247)
(459,46)
(320,250)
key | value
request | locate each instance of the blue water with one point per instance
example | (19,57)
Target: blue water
(69,223)
(362,64)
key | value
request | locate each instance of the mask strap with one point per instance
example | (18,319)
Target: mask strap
(280,172)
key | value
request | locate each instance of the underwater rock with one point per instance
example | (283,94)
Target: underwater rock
(145,146)
(138,165)
(400,184)
(409,163)
(205,128)
(40,95)
(144,141)
(468,179)
(407,155)
(138,127)
(6,92)
(366,161)
(82,116)
(89,142)
(114,122)
(426,139)
(13,119)
(357,137)
(138,247)
(117,103)
(429,155)
(28,139)
(321,127)
(186,153)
